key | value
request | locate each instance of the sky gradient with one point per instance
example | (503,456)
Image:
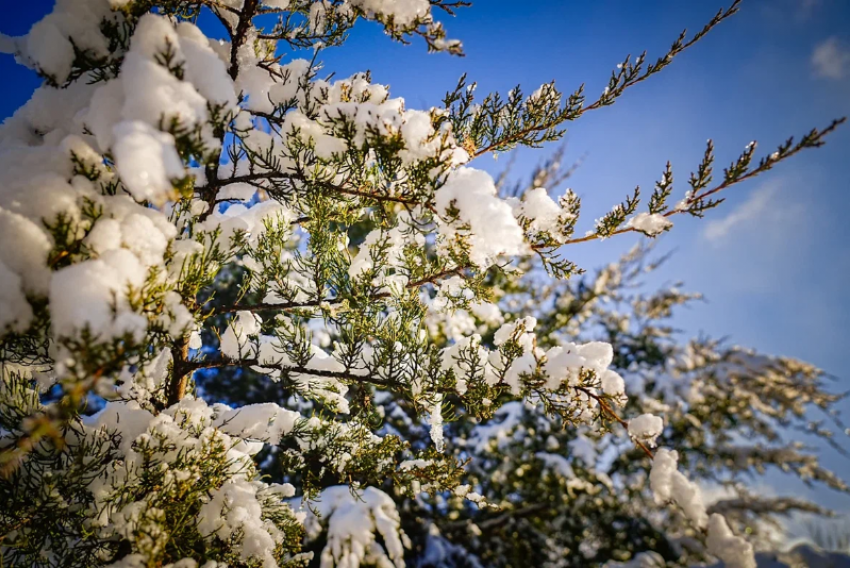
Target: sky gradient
(773,261)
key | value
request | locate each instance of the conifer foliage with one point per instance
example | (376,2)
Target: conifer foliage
(254,317)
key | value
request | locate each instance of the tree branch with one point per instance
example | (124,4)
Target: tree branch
(284,306)
(813,140)
(340,375)
(604,405)
(245,17)
(609,96)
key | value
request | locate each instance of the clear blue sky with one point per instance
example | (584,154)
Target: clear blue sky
(774,260)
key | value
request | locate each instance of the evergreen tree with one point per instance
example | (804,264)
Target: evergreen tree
(254,317)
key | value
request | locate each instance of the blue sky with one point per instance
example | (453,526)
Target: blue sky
(773,261)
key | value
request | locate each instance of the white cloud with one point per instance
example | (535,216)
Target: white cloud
(831,59)
(754,208)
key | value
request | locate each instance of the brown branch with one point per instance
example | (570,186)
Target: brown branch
(266,306)
(181,371)
(767,165)
(607,99)
(604,405)
(245,20)
(340,375)
(376,197)
(252,179)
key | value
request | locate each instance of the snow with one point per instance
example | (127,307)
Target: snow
(233,510)
(15,312)
(240,191)
(142,384)
(584,449)
(146,160)
(418,135)
(128,419)
(104,236)
(435,419)
(25,251)
(651,224)
(292,75)
(449,291)
(204,69)
(263,421)
(613,385)
(50,49)
(140,235)
(733,550)
(52,112)
(311,132)
(235,341)
(352,524)
(646,428)
(642,560)
(155,96)
(493,230)
(403,12)
(83,295)
(498,429)
(255,83)
(104,112)
(120,276)
(563,362)
(520,330)
(379,244)
(545,215)
(669,484)
(557,463)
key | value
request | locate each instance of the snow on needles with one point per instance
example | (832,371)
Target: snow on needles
(651,224)
(491,229)
(646,428)
(668,484)
(122,219)
(352,524)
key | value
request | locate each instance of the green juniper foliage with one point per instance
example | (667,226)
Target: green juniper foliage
(254,316)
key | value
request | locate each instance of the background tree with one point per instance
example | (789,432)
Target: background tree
(187,222)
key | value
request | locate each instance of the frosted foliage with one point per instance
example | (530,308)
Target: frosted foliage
(29,258)
(492,229)
(669,484)
(146,160)
(235,510)
(646,428)
(86,295)
(542,214)
(351,523)
(264,421)
(733,550)
(403,12)
(186,220)
(651,224)
(614,385)
(15,312)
